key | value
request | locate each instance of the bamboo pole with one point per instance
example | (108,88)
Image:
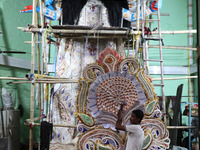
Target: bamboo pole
(115,32)
(66,80)
(16,82)
(186,77)
(74,126)
(72,81)
(29,42)
(42,57)
(34,119)
(81,37)
(175,32)
(32,71)
(79,31)
(137,29)
(50,77)
(53,82)
(41,14)
(58,125)
(12,78)
(46,78)
(38,64)
(173,47)
(161,14)
(181,127)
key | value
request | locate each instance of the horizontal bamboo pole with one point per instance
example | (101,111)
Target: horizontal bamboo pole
(29,42)
(115,32)
(29,121)
(12,78)
(186,77)
(45,77)
(71,81)
(80,31)
(74,126)
(58,125)
(173,47)
(49,79)
(94,37)
(16,82)
(181,127)
(161,14)
(175,32)
(45,81)
(40,76)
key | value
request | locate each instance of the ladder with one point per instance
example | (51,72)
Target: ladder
(145,42)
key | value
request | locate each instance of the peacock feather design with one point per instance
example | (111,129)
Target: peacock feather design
(108,84)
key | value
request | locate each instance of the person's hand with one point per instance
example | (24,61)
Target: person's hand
(119,114)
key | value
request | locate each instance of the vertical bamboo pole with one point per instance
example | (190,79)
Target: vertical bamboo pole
(137,28)
(42,62)
(198,62)
(41,88)
(32,71)
(38,64)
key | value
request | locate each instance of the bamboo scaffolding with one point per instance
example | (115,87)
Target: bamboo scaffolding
(173,47)
(115,33)
(186,77)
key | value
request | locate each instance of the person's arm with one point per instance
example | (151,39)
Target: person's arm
(118,125)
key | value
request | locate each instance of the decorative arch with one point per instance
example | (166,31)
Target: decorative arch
(104,87)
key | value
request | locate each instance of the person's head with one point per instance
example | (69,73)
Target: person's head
(136,116)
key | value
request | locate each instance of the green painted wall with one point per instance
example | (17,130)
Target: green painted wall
(13,40)
(177,20)
(10,19)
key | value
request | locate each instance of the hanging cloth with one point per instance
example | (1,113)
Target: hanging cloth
(46,129)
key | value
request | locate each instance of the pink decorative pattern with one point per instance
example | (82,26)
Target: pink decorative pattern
(109,59)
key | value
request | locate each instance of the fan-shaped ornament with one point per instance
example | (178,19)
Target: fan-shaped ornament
(108,84)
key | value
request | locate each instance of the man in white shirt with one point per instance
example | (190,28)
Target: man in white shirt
(135,132)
